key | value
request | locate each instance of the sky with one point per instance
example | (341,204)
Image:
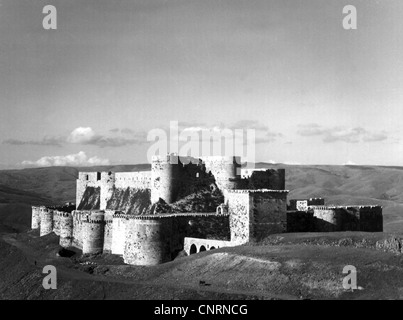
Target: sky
(91,91)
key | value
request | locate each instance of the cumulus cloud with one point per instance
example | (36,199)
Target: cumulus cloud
(349,163)
(78,159)
(334,134)
(83,135)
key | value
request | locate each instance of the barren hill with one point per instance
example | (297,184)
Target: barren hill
(339,185)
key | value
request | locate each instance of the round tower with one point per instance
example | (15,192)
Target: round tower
(66,229)
(148,240)
(226,171)
(93,237)
(46,221)
(108,231)
(36,218)
(56,222)
(165,178)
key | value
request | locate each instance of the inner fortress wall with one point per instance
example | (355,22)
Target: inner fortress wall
(137,180)
(165,178)
(226,170)
(86,179)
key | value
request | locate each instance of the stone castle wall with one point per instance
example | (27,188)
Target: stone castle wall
(148,240)
(36,218)
(66,229)
(255,214)
(93,233)
(46,224)
(336,218)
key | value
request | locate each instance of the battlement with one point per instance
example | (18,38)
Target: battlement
(330,207)
(174,215)
(258,191)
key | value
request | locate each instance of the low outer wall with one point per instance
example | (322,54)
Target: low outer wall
(148,241)
(300,221)
(371,219)
(331,219)
(327,220)
(108,231)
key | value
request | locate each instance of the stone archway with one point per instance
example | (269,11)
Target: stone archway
(202,248)
(212,248)
(193,249)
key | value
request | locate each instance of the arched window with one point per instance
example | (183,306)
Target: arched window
(193,249)
(202,248)
(212,248)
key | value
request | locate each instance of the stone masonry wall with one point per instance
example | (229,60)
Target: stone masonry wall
(148,240)
(36,218)
(66,229)
(119,222)
(336,218)
(46,225)
(239,209)
(269,213)
(108,231)
(93,233)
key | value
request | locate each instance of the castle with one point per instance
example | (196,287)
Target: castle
(189,204)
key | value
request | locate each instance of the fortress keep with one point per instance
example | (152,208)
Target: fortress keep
(188,204)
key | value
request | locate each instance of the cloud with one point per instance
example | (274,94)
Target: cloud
(268,137)
(87,136)
(83,135)
(349,163)
(334,134)
(46,141)
(123,130)
(78,159)
(262,132)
